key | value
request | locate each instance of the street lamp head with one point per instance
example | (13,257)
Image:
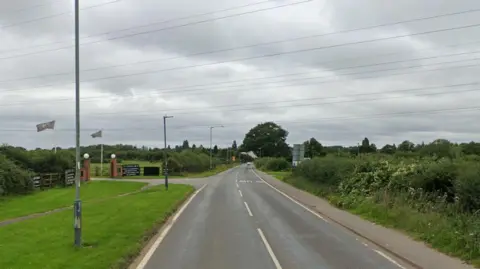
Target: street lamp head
(167,117)
(113,156)
(86,156)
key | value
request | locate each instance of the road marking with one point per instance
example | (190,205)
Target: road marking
(365,244)
(237,185)
(167,228)
(240,193)
(248,209)
(388,258)
(269,249)
(291,199)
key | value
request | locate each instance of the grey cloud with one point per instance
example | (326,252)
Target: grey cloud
(130,108)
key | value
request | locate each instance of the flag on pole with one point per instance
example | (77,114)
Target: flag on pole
(97,134)
(46,125)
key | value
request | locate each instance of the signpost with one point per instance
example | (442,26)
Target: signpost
(69,177)
(298,154)
(37,182)
(130,170)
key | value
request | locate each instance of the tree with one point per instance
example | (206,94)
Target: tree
(185,144)
(234,145)
(406,146)
(215,149)
(269,138)
(194,147)
(388,149)
(313,148)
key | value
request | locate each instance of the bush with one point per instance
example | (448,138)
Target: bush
(188,162)
(13,179)
(325,171)
(272,164)
(467,188)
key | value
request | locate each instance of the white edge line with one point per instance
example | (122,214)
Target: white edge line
(239,191)
(248,209)
(166,229)
(291,199)
(269,249)
(388,258)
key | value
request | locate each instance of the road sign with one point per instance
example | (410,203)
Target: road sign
(298,153)
(131,170)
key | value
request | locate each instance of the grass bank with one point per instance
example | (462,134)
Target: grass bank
(218,169)
(42,201)
(113,232)
(435,223)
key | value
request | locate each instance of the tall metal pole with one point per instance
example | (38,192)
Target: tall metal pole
(77,204)
(211,148)
(165,161)
(101,159)
(211,127)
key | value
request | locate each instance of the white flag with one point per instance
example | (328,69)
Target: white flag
(46,125)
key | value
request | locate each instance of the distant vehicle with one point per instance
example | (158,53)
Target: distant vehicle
(249,163)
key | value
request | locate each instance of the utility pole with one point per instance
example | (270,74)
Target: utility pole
(165,161)
(77,205)
(211,127)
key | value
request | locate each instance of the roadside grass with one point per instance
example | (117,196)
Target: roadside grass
(279,174)
(442,228)
(218,169)
(42,201)
(114,232)
(95,168)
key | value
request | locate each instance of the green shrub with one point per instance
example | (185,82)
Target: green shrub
(467,188)
(326,171)
(272,164)
(13,179)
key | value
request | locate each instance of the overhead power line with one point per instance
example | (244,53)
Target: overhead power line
(29,7)
(55,15)
(318,120)
(289,100)
(165,90)
(157,30)
(243,59)
(262,105)
(328,81)
(268,82)
(256,57)
(147,25)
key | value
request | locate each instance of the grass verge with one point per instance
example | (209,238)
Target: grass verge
(42,201)
(114,232)
(208,173)
(453,233)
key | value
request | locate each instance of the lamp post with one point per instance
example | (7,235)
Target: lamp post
(211,127)
(165,166)
(77,204)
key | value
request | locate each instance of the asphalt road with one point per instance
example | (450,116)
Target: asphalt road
(238,221)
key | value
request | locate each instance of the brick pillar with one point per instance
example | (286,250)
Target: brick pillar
(113,168)
(86,168)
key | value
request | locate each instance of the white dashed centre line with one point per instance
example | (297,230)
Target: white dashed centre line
(248,209)
(269,249)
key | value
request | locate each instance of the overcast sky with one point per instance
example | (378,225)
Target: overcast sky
(303,64)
